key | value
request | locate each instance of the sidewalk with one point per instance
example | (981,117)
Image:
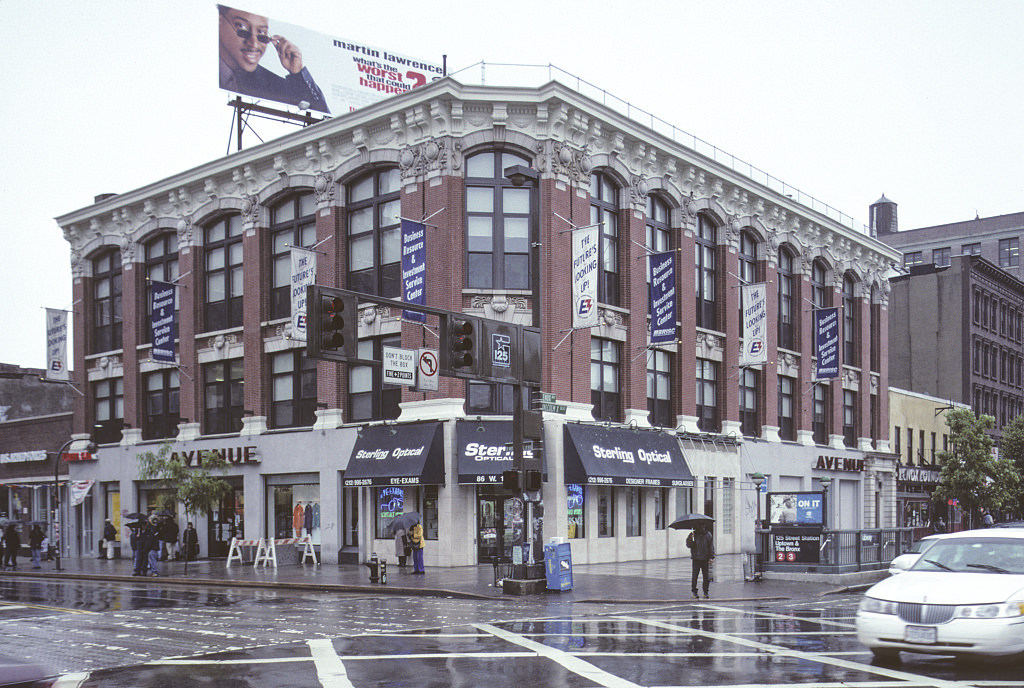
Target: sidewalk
(640,581)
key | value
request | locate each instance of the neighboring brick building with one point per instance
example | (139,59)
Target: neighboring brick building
(35,421)
(956,333)
(296,429)
(996,239)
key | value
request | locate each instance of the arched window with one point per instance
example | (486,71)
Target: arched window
(106,289)
(375,234)
(747,265)
(705,272)
(161,266)
(850,321)
(604,210)
(292,224)
(498,223)
(821,293)
(225,281)
(658,233)
(787,300)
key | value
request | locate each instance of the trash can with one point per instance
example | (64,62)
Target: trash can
(558,566)
(752,566)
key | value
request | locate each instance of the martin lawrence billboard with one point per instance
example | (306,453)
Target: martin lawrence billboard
(272,60)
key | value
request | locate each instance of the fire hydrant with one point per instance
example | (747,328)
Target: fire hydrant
(378,569)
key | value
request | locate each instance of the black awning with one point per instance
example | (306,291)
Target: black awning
(599,455)
(485,450)
(412,455)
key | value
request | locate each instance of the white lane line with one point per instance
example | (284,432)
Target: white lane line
(564,659)
(329,667)
(71,680)
(777,650)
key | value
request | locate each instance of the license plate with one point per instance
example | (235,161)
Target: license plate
(919,634)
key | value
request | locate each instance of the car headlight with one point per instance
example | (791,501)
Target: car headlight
(1004,610)
(876,606)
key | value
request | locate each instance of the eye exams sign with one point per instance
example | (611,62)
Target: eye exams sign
(269,59)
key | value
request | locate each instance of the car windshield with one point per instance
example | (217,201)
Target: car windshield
(974,555)
(920,546)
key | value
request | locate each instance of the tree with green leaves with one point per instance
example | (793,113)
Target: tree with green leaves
(195,486)
(971,473)
(1012,448)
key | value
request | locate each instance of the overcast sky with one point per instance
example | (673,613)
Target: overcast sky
(845,101)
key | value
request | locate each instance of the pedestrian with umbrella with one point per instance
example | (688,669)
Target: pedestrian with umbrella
(702,549)
(399,527)
(35,545)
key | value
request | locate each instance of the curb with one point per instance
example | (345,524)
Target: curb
(271,585)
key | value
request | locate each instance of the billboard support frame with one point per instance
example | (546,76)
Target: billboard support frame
(240,106)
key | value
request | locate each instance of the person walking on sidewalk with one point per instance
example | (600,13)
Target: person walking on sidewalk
(109,538)
(416,542)
(167,530)
(401,546)
(12,543)
(35,545)
(702,550)
(190,543)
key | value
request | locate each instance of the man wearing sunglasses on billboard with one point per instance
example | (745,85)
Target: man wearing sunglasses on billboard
(244,37)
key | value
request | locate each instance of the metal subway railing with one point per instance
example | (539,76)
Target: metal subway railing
(859,550)
(510,74)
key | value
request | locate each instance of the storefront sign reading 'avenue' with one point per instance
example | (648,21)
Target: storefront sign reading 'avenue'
(839,463)
(233,455)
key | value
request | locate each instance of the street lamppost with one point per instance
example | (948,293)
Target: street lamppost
(89,447)
(520,176)
(758,480)
(825,482)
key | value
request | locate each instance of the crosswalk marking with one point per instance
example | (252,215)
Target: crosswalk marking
(565,659)
(329,667)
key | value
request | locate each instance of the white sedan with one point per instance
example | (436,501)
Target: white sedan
(963,596)
(910,557)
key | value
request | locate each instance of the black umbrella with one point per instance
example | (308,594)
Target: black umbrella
(134,524)
(165,512)
(136,516)
(404,521)
(689,521)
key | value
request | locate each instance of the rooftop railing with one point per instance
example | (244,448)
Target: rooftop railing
(527,75)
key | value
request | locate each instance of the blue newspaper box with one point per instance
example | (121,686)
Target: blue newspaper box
(558,566)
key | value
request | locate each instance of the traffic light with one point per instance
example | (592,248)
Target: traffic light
(461,353)
(460,342)
(510,480)
(533,481)
(332,320)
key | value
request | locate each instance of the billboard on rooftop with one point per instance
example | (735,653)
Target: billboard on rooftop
(267,59)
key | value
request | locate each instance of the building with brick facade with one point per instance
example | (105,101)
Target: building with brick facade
(956,332)
(35,421)
(647,433)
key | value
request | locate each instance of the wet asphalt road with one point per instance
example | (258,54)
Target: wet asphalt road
(140,635)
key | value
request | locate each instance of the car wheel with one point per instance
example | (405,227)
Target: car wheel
(886,654)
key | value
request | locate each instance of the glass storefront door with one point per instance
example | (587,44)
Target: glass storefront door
(499,523)
(228,520)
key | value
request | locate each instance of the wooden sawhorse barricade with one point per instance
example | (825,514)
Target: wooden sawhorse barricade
(266,550)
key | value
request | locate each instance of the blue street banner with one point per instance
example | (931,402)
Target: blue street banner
(826,343)
(662,272)
(755,324)
(414,267)
(303,276)
(57,345)
(162,326)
